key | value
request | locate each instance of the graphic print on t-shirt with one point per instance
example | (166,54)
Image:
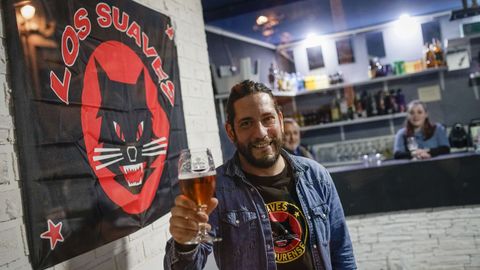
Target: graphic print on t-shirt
(289,237)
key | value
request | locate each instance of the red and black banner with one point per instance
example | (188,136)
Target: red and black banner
(98,118)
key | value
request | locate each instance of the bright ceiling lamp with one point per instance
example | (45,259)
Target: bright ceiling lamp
(261,20)
(406,27)
(313,40)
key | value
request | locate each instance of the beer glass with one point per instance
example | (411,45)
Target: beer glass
(196,175)
(412,146)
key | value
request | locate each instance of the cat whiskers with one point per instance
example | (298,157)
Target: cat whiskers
(115,152)
(155,147)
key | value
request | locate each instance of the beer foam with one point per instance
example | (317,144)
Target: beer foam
(188,176)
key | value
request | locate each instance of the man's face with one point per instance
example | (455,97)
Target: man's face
(257,131)
(291,136)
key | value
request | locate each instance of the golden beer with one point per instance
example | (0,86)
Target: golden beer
(198,187)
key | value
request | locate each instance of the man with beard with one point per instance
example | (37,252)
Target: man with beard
(273,210)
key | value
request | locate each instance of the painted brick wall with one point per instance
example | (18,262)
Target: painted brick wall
(441,238)
(144,249)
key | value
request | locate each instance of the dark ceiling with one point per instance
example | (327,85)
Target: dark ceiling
(297,18)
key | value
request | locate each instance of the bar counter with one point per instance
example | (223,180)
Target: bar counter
(448,180)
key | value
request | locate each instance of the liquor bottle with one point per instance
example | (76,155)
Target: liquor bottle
(286,81)
(326,114)
(272,75)
(343,106)
(313,117)
(280,81)
(387,102)
(306,118)
(393,101)
(300,82)
(299,118)
(368,104)
(438,52)
(351,112)
(429,55)
(380,99)
(335,110)
(364,100)
(358,106)
(372,69)
(372,105)
(400,99)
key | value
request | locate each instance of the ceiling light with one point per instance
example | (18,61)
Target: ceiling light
(267,32)
(313,40)
(262,20)
(311,35)
(404,16)
(27,11)
(406,27)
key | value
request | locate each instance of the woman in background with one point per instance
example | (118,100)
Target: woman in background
(420,139)
(291,139)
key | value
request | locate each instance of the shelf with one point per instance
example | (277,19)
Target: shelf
(376,80)
(352,84)
(355,122)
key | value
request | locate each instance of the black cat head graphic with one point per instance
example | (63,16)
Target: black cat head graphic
(129,146)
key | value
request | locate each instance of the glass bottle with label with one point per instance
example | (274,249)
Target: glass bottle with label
(335,110)
(343,106)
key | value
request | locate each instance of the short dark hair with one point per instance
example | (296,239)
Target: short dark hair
(244,89)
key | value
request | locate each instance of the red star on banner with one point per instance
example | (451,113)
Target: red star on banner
(54,234)
(169,32)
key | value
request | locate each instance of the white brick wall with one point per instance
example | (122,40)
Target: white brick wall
(143,250)
(441,238)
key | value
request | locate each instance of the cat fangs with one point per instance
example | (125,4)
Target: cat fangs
(106,17)
(113,155)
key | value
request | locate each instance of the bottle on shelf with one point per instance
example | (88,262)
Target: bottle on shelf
(358,106)
(286,80)
(280,81)
(313,117)
(371,105)
(349,96)
(372,69)
(364,99)
(326,114)
(343,106)
(272,76)
(400,99)
(299,118)
(438,52)
(429,55)
(386,101)
(380,99)
(335,110)
(351,112)
(393,101)
(300,82)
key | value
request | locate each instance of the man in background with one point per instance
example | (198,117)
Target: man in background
(291,141)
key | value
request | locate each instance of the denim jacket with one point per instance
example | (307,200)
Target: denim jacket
(241,219)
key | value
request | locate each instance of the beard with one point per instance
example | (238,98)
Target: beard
(265,161)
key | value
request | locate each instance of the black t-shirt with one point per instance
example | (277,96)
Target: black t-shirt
(289,226)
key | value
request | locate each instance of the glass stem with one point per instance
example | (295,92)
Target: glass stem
(202,226)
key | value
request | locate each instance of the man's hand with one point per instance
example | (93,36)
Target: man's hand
(185,218)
